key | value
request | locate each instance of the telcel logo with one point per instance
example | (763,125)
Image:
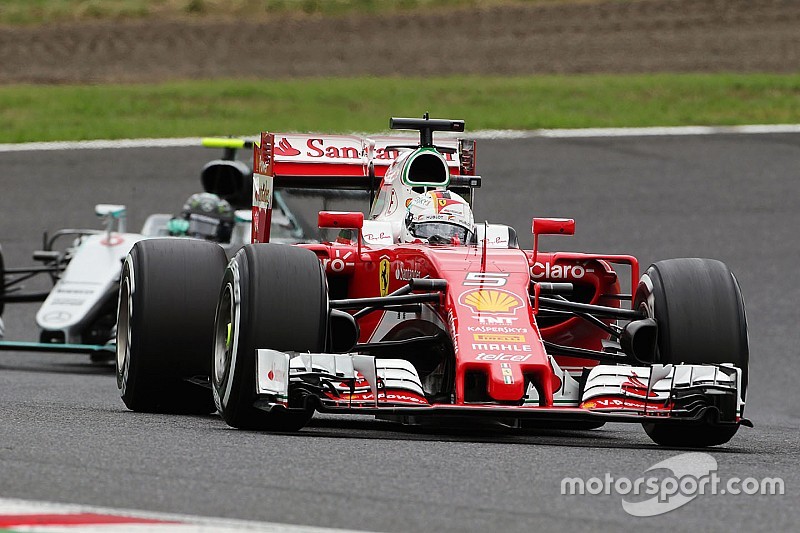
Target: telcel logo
(483,356)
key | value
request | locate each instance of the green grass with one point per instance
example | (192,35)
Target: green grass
(238,107)
(29,12)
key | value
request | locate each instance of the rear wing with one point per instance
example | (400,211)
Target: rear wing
(345,162)
(299,160)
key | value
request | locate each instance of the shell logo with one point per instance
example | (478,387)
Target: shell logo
(490,301)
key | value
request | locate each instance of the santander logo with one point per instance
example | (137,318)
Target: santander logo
(634,385)
(305,148)
(316,148)
(285,149)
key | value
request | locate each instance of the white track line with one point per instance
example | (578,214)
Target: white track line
(178,523)
(674,131)
(100,144)
(678,131)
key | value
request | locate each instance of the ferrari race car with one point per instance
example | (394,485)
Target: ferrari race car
(418,315)
(78,314)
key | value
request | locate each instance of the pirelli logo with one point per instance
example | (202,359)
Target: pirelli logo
(498,337)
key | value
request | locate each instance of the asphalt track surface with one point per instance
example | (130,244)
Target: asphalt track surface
(65,435)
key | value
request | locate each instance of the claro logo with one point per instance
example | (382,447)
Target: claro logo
(548,271)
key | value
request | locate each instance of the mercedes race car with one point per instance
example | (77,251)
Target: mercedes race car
(78,314)
(416,314)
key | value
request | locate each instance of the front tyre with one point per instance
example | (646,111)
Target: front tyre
(273,296)
(699,309)
(165,317)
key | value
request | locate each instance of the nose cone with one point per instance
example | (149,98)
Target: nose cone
(497,344)
(506,382)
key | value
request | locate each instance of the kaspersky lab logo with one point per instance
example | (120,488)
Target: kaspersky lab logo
(671,484)
(490,301)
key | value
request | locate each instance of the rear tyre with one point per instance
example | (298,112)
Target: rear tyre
(700,312)
(273,296)
(165,320)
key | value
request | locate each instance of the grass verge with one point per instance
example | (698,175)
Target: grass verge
(32,12)
(221,107)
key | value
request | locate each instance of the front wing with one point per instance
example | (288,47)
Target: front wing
(352,383)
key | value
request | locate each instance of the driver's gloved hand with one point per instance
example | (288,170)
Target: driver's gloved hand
(438,239)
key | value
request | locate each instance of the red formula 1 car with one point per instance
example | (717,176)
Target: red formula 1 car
(417,314)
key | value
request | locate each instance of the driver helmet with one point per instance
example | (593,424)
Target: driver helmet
(438,217)
(204,216)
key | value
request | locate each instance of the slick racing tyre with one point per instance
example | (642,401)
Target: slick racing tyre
(273,296)
(165,324)
(699,309)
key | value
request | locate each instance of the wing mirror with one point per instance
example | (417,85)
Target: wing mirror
(111,213)
(553,226)
(343,220)
(550,226)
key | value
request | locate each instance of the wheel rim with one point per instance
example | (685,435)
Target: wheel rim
(224,334)
(124,328)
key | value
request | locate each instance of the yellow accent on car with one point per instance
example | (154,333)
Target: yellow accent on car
(222,142)
(491,301)
(383,276)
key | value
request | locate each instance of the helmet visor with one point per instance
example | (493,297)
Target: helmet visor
(203,226)
(426,230)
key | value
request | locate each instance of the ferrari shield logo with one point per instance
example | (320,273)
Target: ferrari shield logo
(384,270)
